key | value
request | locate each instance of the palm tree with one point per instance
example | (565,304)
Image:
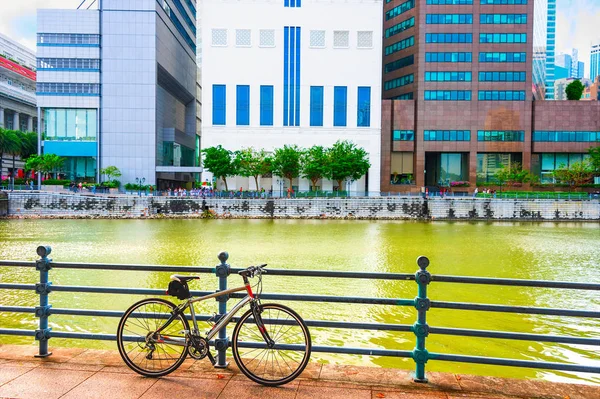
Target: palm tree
(10,143)
(28,145)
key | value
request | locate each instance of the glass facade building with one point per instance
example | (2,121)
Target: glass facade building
(595,62)
(544,44)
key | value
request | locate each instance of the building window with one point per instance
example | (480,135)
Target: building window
(502,57)
(447,135)
(341,39)
(317,38)
(448,38)
(552,161)
(399,64)
(219,37)
(399,82)
(190,23)
(68,89)
(400,45)
(448,76)
(401,27)
(316,105)
(401,9)
(242,108)
(70,124)
(566,136)
(340,105)
(488,76)
(489,164)
(267,38)
(449,19)
(364,107)
(364,39)
(448,57)
(503,2)
(501,95)
(80,64)
(266,105)
(243,38)
(449,2)
(219,105)
(403,135)
(500,135)
(405,96)
(68,39)
(503,19)
(447,95)
(503,38)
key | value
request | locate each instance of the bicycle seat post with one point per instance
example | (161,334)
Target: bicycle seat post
(222,343)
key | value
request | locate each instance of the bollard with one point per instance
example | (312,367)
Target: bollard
(43,265)
(421,328)
(222,343)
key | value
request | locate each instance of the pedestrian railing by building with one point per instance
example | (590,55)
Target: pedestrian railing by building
(421,303)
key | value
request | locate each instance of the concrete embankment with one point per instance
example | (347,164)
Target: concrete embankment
(52,205)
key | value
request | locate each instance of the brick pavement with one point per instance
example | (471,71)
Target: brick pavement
(78,373)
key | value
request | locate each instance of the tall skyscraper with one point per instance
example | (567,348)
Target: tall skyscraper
(544,36)
(580,70)
(575,63)
(595,61)
(296,72)
(117,87)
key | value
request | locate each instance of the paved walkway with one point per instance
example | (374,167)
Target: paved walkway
(79,374)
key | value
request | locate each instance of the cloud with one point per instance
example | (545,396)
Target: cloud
(18,17)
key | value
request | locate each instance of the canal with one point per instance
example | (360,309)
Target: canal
(548,251)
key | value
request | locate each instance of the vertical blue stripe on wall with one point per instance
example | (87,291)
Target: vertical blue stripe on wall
(340,95)
(218,104)
(242,105)
(298,44)
(292,76)
(363,117)
(316,105)
(286,65)
(286,3)
(266,105)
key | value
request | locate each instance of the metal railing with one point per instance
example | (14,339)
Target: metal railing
(422,304)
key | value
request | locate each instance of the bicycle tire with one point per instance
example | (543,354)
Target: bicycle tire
(277,331)
(126,324)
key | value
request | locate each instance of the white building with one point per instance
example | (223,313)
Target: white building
(281,72)
(117,87)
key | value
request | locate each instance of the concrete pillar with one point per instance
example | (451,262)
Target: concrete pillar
(29,123)
(1,117)
(16,121)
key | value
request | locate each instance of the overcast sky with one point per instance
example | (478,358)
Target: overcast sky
(576,25)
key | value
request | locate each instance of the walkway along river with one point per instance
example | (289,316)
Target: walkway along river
(548,251)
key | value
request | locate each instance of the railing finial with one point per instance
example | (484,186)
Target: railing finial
(44,251)
(423,262)
(223,256)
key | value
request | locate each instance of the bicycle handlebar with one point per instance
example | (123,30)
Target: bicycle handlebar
(253,270)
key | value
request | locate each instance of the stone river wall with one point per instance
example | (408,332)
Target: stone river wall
(23,204)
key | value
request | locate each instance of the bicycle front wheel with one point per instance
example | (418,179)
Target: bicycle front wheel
(142,349)
(284,361)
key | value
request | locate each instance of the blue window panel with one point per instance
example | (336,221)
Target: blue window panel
(298,47)
(316,105)
(340,105)
(286,68)
(242,107)
(364,107)
(71,148)
(292,75)
(266,105)
(401,9)
(500,135)
(403,135)
(218,105)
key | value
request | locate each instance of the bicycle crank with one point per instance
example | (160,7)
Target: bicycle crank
(198,348)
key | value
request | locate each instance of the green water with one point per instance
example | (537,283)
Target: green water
(569,252)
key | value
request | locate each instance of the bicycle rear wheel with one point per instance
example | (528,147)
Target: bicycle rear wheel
(141,349)
(286,359)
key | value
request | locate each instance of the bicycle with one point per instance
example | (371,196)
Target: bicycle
(153,348)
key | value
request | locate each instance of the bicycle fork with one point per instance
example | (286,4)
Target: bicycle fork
(256,313)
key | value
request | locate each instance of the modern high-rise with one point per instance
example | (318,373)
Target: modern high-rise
(595,61)
(572,64)
(544,38)
(292,72)
(117,86)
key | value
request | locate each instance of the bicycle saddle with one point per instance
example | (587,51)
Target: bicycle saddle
(183,279)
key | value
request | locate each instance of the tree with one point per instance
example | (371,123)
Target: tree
(52,163)
(286,162)
(513,173)
(314,164)
(29,142)
(111,172)
(35,163)
(594,159)
(574,175)
(12,145)
(253,163)
(220,162)
(574,90)
(347,161)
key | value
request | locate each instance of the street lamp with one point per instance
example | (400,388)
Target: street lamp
(139,182)
(280,182)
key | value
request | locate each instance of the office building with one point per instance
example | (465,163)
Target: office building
(544,39)
(595,61)
(572,64)
(17,93)
(117,86)
(297,72)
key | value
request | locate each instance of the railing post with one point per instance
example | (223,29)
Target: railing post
(222,343)
(421,328)
(43,265)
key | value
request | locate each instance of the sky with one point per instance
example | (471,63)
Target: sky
(576,23)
